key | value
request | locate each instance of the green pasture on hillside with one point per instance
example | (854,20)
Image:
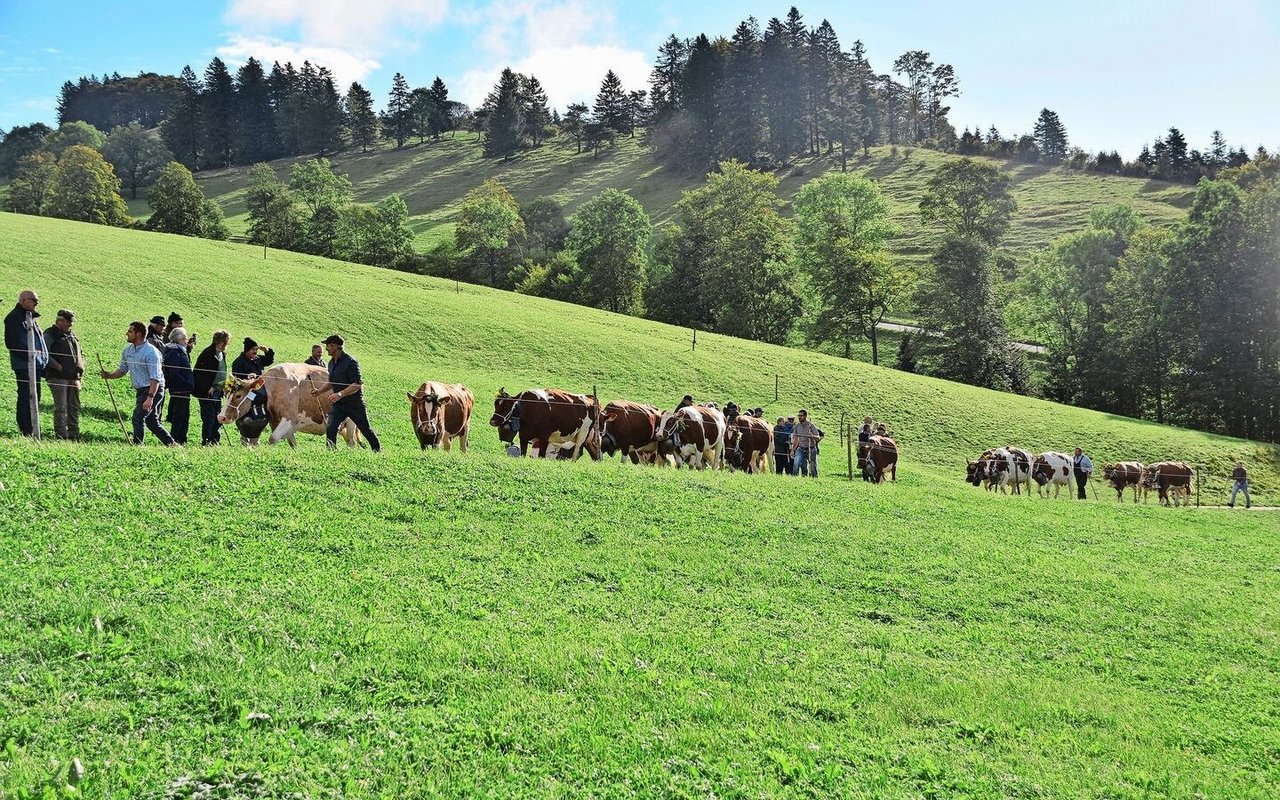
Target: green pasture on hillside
(434,177)
(277,623)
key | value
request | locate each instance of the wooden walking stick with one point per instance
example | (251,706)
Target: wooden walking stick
(112,395)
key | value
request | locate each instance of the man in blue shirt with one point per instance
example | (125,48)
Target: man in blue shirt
(141,361)
(24,341)
(345,387)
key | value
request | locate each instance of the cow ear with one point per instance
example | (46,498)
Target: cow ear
(444,399)
(411,396)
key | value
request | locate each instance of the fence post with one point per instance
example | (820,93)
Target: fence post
(695,338)
(33,385)
(775,387)
(842,436)
(1199,481)
(848,444)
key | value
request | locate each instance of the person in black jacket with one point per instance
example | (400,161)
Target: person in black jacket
(23,340)
(180,381)
(346,393)
(210,375)
(65,370)
(317,356)
(254,360)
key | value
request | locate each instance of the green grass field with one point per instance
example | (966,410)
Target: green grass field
(306,623)
(434,177)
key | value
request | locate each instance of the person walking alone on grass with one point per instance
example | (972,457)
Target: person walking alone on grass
(1239,483)
(23,339)
(346,387)
(66,368)
(141,362)
(1083,466)
(210,376)
(782,447)
(180,381)
(804,446)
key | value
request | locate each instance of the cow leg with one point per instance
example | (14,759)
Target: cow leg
(462,437)
(280,431)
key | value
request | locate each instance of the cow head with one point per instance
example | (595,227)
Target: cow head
(669,428)
(608,443)
(1041,472)
(425,410)
(1109,471)
(976,471)
(506,415)
(239,397)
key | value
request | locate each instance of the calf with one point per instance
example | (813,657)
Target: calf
(1122,475)
(441,412)
(1052,469)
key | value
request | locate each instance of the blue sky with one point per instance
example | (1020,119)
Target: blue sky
(1118,72)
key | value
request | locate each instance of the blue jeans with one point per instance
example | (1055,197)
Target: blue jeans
(805,457)
(1240,486)
(151,419)
(357,414)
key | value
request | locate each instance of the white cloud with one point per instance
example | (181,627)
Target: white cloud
(345,65)
(568,45)
(363,26)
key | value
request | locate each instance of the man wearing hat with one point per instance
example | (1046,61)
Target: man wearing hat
(64,373)
(346,392)
(24,342)
(173,323)
(156,333)
(254,360)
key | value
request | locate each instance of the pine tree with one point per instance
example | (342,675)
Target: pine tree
(420,105)
(610,108)
(398,122)
(739,96)
(256,138)
(503,117)
(219,115)
(1176,154)
(326,121)
(181,130)
(362,122)
(440,119)
(917,67)
(822,55)
(694,140)
(664,81)
(1051,137)
(575,123)
(535,114)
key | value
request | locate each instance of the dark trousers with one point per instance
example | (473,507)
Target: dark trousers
(357,414)
(24,402)
(149,419)
(179,417)
(1081,479)
(782,463)
(210,430)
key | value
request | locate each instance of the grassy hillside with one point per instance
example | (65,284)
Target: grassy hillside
(434,177)
(340,624)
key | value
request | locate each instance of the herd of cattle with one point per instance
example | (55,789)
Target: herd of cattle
(1006,467)
(560,424)
(553,423)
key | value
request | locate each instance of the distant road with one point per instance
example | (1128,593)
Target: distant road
(1025,347)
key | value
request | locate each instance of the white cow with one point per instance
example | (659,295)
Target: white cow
(696,434)
(1052,469)
(1010,465)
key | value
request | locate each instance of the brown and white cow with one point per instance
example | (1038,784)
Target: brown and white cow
(629,428)
(1052,469)
(1000,467)
(1169,478)
(291,408)
(748,444)
(696,434)
(1122,475)
(550,417)
(441,412)
(877,454)
(978,472)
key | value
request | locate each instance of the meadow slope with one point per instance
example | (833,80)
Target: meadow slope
(304,623)
(433,178)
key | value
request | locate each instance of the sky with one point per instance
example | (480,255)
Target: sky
(1118,72)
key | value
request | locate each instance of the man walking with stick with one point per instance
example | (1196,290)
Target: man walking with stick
(141,361)
(28,356)
(1083,467)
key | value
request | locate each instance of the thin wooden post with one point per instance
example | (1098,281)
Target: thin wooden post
(842,437)
(776,381)
(33,384)
(1199,481)
(112,395)
(848,443)
(695,338)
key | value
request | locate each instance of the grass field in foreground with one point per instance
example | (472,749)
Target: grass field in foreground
(343,625)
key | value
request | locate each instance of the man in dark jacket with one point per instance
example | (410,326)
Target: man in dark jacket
(254,360)
(25,343)
(210,375)
(317,356)
(782,447)
(180,381)
(156,333)
(346,393)
(66,367)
